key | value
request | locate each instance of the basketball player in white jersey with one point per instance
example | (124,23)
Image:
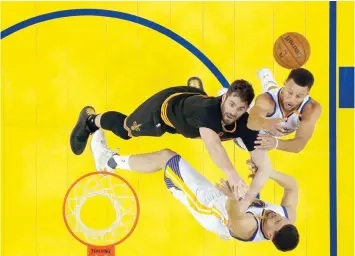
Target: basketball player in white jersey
(215,208)
(280,111)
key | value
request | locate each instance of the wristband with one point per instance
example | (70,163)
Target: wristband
(277,142)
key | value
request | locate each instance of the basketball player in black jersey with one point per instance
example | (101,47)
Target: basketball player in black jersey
(188,111)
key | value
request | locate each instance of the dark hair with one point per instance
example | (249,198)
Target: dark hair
(287,238)
(302,77)
(242,89)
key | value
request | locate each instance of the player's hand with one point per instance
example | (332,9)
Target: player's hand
(232,191)
(237,182)
(265,141)
(274,126)
(252,167)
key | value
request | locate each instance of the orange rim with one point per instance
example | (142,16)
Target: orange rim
(105,173)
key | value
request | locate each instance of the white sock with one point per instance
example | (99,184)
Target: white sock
(268,83)
(119,162)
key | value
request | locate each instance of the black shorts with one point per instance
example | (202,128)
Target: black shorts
(147,120)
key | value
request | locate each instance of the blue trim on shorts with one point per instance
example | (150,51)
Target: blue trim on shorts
(173,163)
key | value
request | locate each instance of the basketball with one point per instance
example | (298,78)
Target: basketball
(291,50)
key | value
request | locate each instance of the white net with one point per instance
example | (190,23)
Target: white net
(123,204)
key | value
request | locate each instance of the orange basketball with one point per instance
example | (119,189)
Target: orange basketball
(291,50)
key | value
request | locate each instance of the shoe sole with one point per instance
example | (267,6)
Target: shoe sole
(195,78)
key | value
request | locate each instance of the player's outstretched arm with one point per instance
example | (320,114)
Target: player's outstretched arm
(304,132)
(290,197)
(219,154)
(263,163)
(238,220)
(289,184)
(257,115)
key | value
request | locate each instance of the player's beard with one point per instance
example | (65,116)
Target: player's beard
(227,117)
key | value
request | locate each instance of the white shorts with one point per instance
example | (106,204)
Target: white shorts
(205,202)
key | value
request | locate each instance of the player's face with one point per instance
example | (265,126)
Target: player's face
(274,222)
(232,108)
(292,95)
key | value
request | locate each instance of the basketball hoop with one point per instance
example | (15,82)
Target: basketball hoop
(124,205)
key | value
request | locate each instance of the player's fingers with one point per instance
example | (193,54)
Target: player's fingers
(223,189)
(258,142)
(262,147)
(228,185)
(251,168)
(263,144)
(278,133)
(264,138)
(238,193)
(249,161)
(223,181)
(242,192)
(220,187)
(279,128)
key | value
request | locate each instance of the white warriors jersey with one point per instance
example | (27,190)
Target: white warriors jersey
(293,118)
(258,209)
(206,203)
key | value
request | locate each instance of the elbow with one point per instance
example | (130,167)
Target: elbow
(294,184)
(299,148)
(300,145)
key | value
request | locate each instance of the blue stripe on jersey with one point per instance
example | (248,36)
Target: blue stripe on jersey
(261,226)
(301,110)
(173,163)
(285,211)
(274,104)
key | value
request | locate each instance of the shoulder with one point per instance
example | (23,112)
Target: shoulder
(265,101)
(265,98)
(242,123)
(312,110)
(209,105)
(245,229)
(247,135)
(290,213)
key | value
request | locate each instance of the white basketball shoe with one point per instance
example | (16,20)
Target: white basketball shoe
(103,155)
(267,79)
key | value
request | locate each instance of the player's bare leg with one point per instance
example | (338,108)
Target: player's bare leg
(106,159)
